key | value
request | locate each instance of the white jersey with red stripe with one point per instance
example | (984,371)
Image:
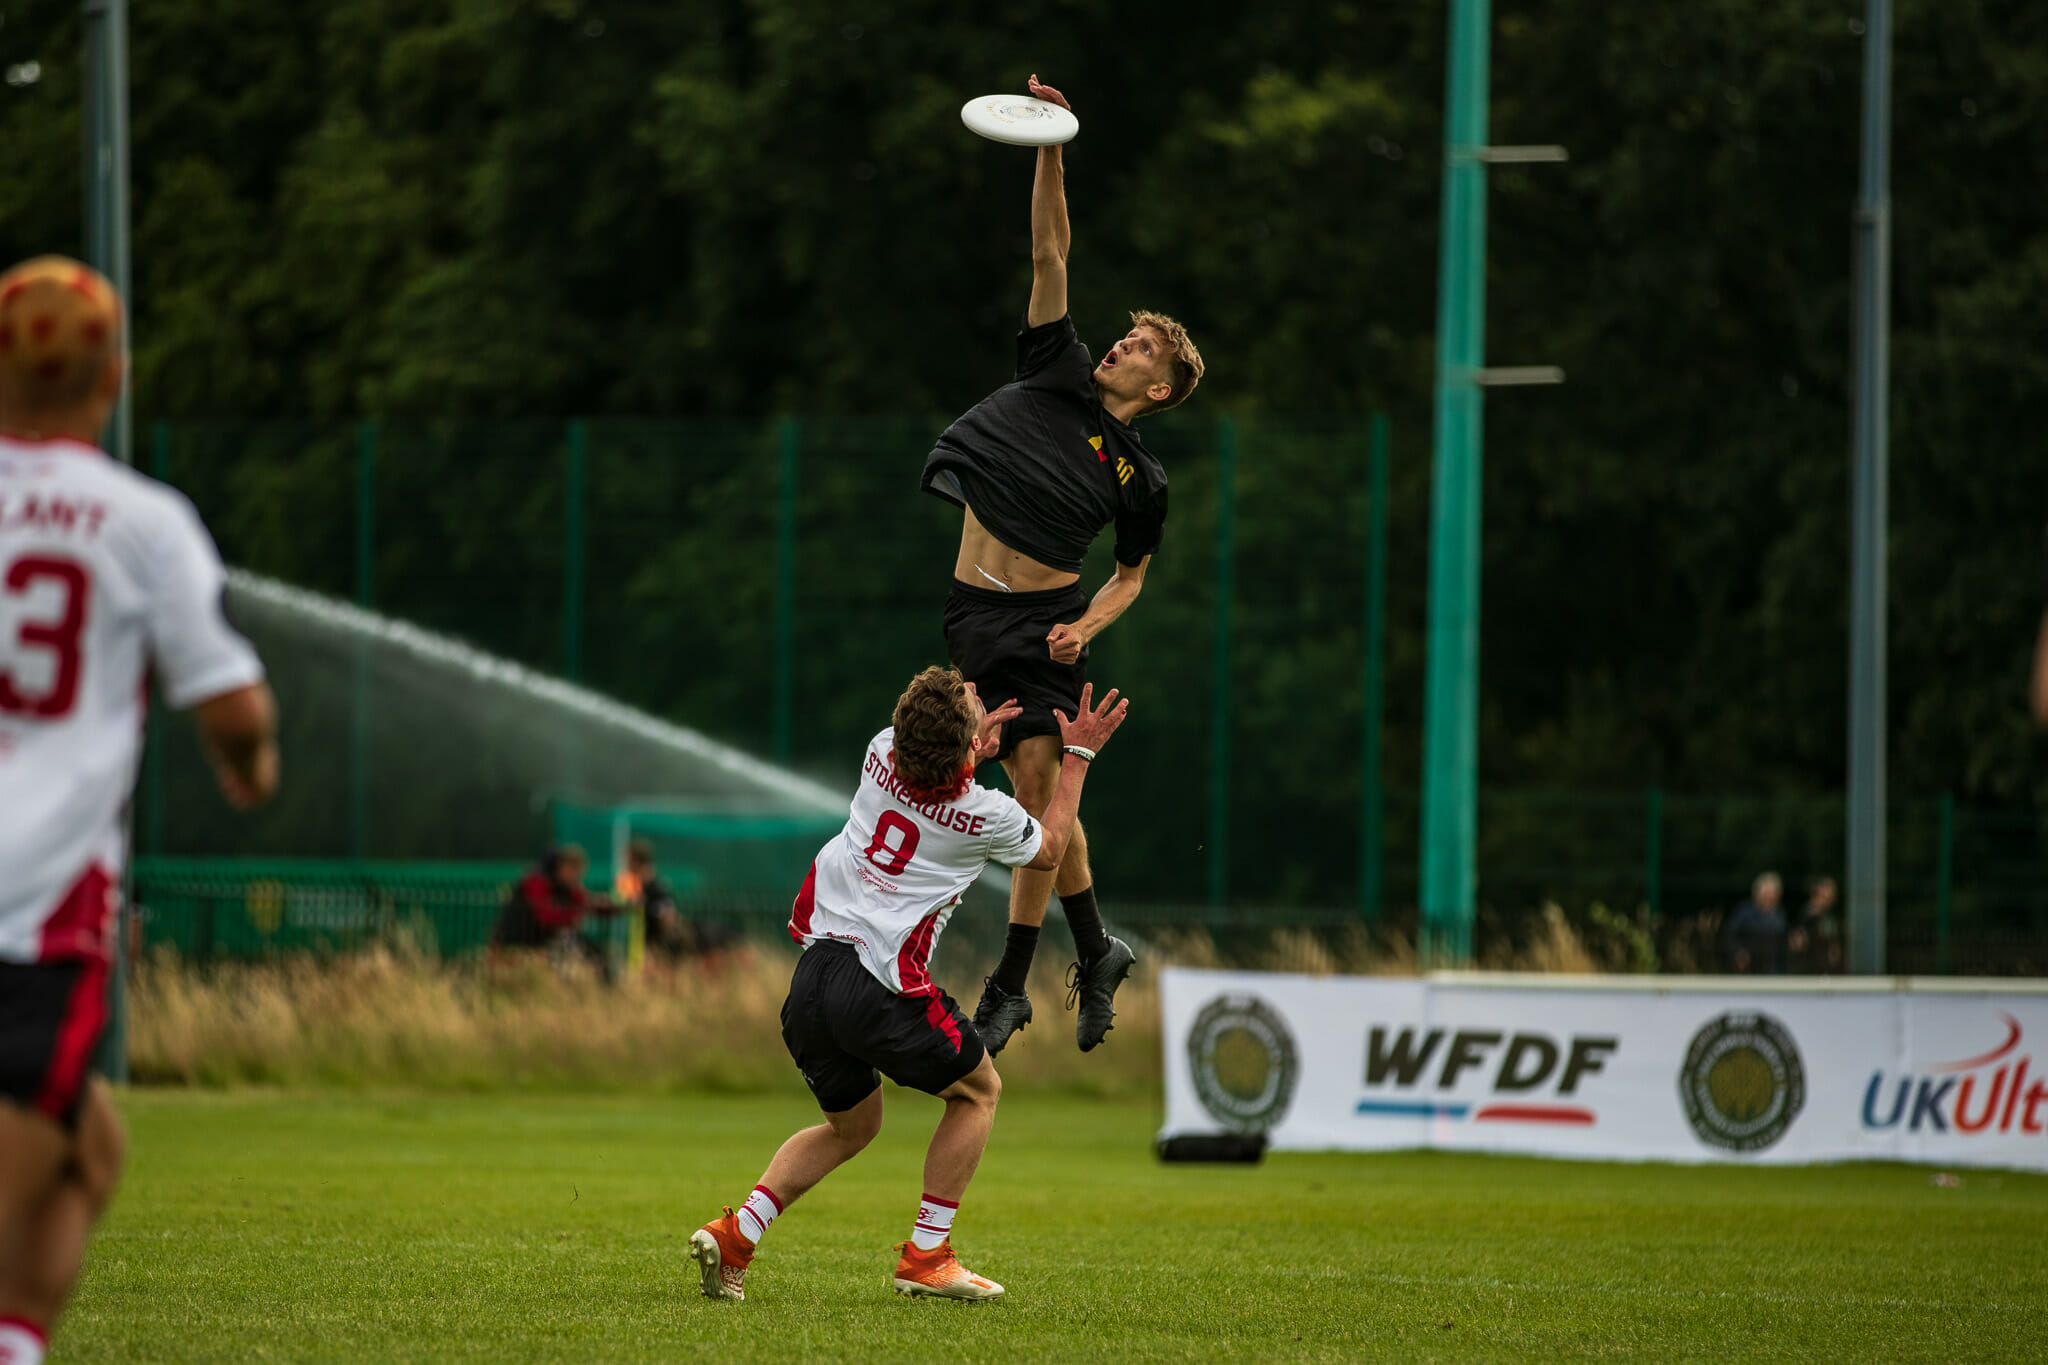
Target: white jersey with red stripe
(105,578)
(890,880)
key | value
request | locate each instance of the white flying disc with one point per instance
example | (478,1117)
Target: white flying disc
(1019,120)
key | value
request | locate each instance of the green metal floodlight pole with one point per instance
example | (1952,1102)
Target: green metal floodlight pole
(1868,515)
(106,249)
(1450,758)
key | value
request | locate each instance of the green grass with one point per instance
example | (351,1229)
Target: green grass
(274,1227)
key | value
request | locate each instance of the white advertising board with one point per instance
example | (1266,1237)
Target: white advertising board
(1713,1069)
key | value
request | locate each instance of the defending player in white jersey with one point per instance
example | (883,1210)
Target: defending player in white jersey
(106,580)
(861,1001)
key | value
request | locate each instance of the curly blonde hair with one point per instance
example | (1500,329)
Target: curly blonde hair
(1184,365)
(934,730)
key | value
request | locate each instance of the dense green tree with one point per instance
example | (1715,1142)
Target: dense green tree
(531,209)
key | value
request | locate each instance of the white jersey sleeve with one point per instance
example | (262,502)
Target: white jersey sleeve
(1014,838)
(197,653)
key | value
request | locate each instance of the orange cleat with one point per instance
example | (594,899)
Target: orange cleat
(938,1274)
(723,1253)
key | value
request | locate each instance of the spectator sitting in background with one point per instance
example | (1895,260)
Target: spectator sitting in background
(1816,942)
(667,934)
(1754,937)
(547,906)
(670,936)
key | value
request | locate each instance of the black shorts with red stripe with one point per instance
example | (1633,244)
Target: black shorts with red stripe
(847,1030)
(51,1015)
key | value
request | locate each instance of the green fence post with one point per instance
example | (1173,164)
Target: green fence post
(1219,705)
(153,740)
(789,446)
(110,1056)
(1372,803)
(1653,850)
(359,693)
(1944,882)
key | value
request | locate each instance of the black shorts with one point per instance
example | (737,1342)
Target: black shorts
(997,641)
(51,1014)
(843,1027)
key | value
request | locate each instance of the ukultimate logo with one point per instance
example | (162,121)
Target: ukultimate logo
(1987,1093)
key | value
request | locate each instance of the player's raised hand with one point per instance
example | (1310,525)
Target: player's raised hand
(1044,92)
(988,736)
(1095,724)
(1065,644)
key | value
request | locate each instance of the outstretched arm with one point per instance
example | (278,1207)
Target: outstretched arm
(1049,235)
(1065,642)
(1090,728)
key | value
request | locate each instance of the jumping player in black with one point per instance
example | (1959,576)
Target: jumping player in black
(1040,467)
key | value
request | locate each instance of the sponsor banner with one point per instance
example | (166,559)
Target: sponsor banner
(1715,1070)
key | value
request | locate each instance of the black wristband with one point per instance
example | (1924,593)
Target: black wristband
(1085,755)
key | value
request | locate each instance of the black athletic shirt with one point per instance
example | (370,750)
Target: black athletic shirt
(1044,465)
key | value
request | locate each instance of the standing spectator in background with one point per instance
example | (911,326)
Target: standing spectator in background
(1816,941)
(547,907)
(1754,937)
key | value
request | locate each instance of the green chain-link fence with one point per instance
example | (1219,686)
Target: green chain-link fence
(773,582)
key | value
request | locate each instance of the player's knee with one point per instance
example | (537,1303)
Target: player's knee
(982,1088)
(857,1127)
(1034,773)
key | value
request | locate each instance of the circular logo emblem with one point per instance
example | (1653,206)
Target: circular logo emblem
(1742,1083)
(1243,1060)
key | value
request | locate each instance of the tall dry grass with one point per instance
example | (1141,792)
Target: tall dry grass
(392,1016)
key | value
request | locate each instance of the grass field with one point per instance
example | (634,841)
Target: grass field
(262,1226)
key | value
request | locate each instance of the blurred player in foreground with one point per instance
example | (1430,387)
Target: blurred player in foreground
(861,1001)
(106,580)
(1040,466)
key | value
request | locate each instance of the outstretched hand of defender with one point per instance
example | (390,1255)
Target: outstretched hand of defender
(988,738)
(1094,725)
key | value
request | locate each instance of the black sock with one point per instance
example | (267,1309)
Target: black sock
(1090,940)
(1016,963)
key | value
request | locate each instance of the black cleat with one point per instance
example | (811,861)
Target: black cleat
(1095,982)
(999,1015)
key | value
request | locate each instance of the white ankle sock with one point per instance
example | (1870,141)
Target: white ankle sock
(758,1212)
(934,1223)
(21,1343)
